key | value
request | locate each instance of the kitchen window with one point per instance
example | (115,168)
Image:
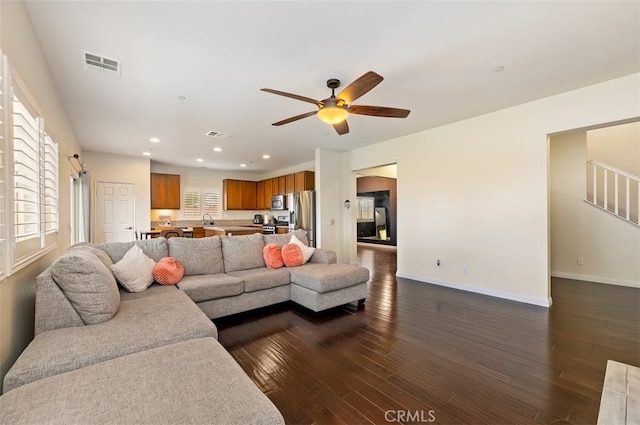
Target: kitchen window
(197,202)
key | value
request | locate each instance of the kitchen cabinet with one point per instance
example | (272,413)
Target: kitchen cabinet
(290,183)
(304,180)
(165,191)
(198,232)
(260,199)
(239,194)
(281,230)
(268,193)
(282,182)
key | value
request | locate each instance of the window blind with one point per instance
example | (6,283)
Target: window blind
(212,202)
(191,203)
(26,171)
(50,184)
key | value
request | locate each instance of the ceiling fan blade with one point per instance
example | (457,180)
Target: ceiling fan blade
(296,118)
(293,96)
(342,127)
(379,111)
(360,87)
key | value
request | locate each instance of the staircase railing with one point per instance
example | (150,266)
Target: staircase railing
(614,191)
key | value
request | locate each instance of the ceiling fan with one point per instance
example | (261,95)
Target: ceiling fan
(335,109)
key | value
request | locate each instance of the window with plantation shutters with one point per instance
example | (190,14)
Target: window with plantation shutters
(196,202)
(50,185)
(33,225)
(27,144)
(4,89)
(212,202)
(191,203)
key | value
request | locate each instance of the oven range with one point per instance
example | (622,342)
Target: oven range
(268,229)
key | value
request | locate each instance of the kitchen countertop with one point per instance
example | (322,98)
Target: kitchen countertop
(230,228)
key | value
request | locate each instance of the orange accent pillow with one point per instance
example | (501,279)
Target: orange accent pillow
(292,255)
(272,256)
(168,271)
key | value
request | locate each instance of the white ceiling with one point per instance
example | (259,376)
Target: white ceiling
(437,58)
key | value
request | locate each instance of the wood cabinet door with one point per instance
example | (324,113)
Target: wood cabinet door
(268,192)
(290,183)
(249,195)
(304,180)
(232,194)
(260,202)
(172,200)
(158,191)
(282,183)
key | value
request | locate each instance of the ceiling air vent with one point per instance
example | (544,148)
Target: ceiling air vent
(218,134)
(93,62)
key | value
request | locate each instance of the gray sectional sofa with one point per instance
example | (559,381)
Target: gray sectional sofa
(98,347)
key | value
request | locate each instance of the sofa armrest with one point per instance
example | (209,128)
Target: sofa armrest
(323,256)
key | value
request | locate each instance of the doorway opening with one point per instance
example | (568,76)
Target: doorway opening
(376,205)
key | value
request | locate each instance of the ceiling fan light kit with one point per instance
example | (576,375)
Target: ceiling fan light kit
(336,109)
(333,114)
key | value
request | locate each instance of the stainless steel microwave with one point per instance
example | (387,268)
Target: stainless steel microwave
(279,202)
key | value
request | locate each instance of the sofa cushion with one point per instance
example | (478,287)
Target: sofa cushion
(262,278)
(88,284)
(242,252)
(272,254)
(292,255)
(210,287)
(307,251)
(194,381)
(328,277)
(198,256)
(284,238)
(142,322)
(155,248)
(102,256)
(135,270)
(168,271)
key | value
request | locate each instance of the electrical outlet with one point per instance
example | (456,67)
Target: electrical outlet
(438,263)
(465,268)
(580,261)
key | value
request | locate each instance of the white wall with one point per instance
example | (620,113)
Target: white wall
(329,200)
(109,168)
(617,146)
(475,192)
(608,246)
(19,43)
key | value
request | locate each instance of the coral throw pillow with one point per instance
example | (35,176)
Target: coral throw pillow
(272,256)
(292,255)
(168,271)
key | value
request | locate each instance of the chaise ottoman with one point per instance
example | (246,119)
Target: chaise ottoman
(322,286)
(190,382)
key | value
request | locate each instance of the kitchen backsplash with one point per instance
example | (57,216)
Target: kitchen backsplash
(198,223)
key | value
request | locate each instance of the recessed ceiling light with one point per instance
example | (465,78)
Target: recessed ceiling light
(217,149)
(266,156)
(243,165)
(146,153)
(154,140)
(199,159)
(182,97)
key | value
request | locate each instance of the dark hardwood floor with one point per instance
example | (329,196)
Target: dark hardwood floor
(419,353)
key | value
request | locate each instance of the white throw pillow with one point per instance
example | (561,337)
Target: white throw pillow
(135,270)
(307,251)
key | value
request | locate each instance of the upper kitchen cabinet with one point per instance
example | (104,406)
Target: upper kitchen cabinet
(282,190)
(290,183)
(304,180)
(239,194)
(165,191)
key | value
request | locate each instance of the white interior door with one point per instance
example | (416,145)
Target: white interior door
(115,213)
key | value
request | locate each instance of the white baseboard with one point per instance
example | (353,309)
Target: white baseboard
(596,279)
(543,302)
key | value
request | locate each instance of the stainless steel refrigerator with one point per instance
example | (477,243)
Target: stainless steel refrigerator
(302,213)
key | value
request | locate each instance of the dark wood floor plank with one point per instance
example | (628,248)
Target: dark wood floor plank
(416,348)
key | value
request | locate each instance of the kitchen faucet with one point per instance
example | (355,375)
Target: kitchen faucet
(210,219)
